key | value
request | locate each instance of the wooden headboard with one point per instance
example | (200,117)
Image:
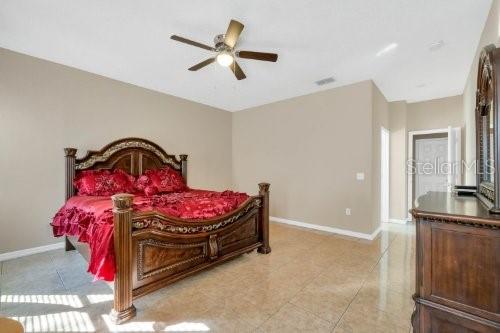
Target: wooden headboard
(133,155)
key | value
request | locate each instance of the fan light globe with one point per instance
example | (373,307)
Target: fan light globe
(225,59)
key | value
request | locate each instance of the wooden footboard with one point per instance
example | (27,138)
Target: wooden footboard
(153,250)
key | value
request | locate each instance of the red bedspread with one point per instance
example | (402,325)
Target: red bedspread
(91,219)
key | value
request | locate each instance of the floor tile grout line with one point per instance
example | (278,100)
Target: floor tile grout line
(310,312)
(288,301)
(298,292)
(62,281)
(364,280)
(363,283)
(321,272)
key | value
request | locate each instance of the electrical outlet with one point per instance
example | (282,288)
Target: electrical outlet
(360,176)
(348,211)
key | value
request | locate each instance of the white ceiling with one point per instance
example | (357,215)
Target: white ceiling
(129,41)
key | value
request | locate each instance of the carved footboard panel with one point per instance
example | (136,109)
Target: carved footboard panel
(165,250)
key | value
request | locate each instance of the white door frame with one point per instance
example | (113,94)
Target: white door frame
(451,156)
(384,169)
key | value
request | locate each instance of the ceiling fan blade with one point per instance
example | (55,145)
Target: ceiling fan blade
(202,64)
(191,42)
(238,72)
(257,55)
(233,33)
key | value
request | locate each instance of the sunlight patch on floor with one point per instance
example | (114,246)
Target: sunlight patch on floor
(187,327)
(72,321)
(152,326)
(138,326)
(99,298)
(68,300)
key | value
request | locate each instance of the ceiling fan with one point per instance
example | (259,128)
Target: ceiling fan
(224,46)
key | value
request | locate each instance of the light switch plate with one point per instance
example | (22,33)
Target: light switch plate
(360,176)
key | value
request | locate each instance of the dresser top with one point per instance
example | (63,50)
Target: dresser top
(450,208)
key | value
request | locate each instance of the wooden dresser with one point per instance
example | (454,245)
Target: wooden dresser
(458,265)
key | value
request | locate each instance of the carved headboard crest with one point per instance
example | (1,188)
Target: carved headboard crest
(133,155)
(93,157)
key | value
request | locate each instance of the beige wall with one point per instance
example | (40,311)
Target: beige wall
(309,148)
(380,119)
(397,156)
(490,35)
(45,107)
(436,113)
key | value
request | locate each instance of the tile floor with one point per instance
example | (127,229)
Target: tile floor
(311,282)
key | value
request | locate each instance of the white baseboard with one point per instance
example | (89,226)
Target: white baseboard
(397,221)
(30,251)
(339,231)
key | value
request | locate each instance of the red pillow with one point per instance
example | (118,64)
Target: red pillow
(104,182)
(160,181)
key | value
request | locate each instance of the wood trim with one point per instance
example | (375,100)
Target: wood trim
(264,218)
(184,169)
(141,255)
(487,99)
(213,247)
(69,173)
(123,309)
(70,158)
(146,289)
(475,221)
(421,302)
(168,224)
(92,157)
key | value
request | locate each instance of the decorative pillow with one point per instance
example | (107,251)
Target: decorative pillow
(104,182)
(160,181)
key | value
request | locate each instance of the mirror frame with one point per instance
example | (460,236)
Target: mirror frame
(486,102)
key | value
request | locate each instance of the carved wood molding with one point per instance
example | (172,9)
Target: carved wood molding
(486,105)
(104,154)
(485,79)
(487,192)
(163,224)
(237,231)
(123,309)
(455,219)
(156,243)
(213,247)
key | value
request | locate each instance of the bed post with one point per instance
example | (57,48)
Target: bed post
(123,309)
(184,167)
(70,157)
(264,192)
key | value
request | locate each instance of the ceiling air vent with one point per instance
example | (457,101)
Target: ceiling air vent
(327,80)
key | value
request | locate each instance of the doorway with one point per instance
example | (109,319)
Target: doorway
(384,174)
(430,154)
(434,162)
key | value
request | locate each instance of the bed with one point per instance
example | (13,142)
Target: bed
(152,248)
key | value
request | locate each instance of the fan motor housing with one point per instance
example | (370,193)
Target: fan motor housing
(219,43)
